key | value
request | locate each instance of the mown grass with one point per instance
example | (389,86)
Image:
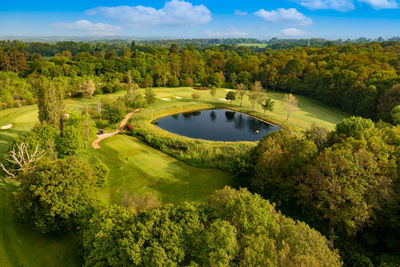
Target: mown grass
(138,168)
(147,170)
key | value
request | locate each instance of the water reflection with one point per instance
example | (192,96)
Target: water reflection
(213,115)
(217,125)
(230,115)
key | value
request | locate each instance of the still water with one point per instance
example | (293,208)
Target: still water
(216,125)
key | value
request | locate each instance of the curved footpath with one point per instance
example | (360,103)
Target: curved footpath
(121,127)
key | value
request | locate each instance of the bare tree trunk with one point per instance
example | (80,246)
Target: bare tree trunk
(331,233)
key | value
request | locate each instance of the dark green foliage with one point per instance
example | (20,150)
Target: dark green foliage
(280,157)
(268,104)
(56,194)
(115,111)
(354,127)
(50,103)
(230,96)
(79,132)
(233,228)
(345,183)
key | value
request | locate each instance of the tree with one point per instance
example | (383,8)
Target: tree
(266,237)
(50,103)
(388,101)
(268,104)
(213,91)
(241,91)
(396,114)
(115,111)
(347,186)
(150,96)
(21,158)
(289,104)
(215,80)
(279,159)
(79,131)
(255,94)
(230,96)
(233,79)
(353,127)
(88,88)
(56,194)
(147,81)
(234,227)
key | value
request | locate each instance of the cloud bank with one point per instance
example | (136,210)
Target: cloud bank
(286,16)
(293,32)
(346,5)
(174,13)
(89,28)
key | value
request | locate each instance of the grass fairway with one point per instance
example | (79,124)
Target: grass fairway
(147,170)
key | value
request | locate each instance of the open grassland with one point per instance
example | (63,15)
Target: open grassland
(146,170)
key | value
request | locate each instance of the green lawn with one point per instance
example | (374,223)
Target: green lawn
(147,170)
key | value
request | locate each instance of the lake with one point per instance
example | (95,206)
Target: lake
(216,125)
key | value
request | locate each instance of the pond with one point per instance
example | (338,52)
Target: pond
(216,125)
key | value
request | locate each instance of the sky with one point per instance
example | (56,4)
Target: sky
(262,19)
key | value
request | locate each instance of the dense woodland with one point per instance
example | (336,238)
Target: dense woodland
(343,183)
(361,79)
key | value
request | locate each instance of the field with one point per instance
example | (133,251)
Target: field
(146,170)
(253,45)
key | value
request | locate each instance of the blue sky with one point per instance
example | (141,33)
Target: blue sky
(262,19)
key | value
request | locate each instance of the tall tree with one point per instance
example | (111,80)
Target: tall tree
(255,94)
(289,104)
(150,96)
(241,92)
(50,103)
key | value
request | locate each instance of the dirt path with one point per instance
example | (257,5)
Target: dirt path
(121,127)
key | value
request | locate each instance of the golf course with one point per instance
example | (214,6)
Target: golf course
(135,167)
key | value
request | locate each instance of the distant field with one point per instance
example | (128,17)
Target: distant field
(147,170)
(254,45)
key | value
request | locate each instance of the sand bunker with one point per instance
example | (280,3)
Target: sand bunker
(5,127)
(228,90)
(178,97)
(223,99)
(165,99)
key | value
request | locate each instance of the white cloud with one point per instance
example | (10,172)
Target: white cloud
(174,13)
(239,12)
(340,5)
(231,33)
(293,32)
(281,15)
(89,28)
(381,4)
(346,5)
